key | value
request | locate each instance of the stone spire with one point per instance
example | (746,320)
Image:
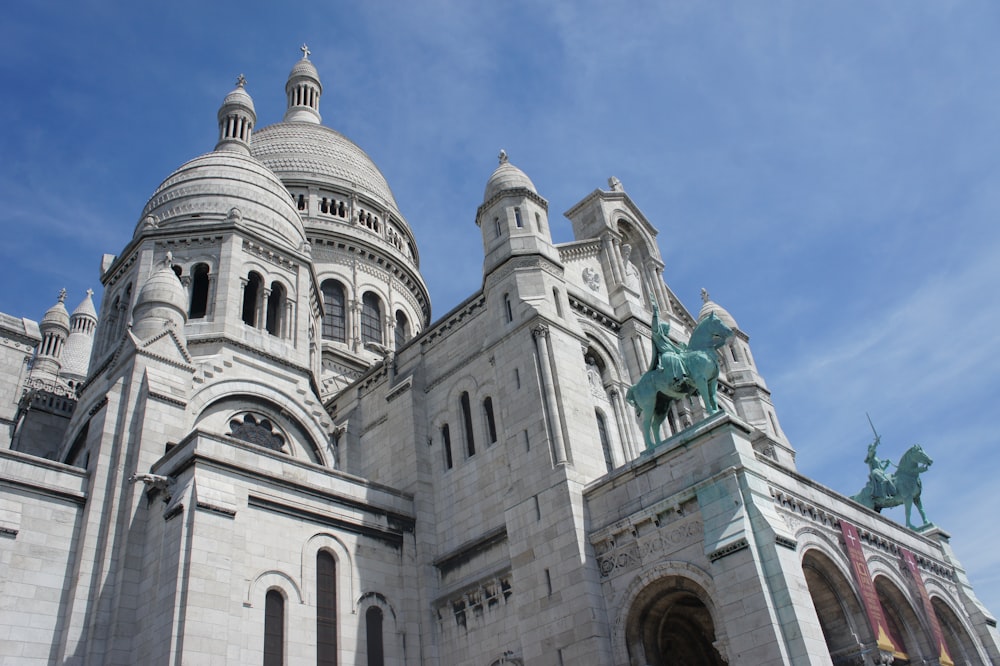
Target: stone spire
(303,90)
(237,118)
(76,356)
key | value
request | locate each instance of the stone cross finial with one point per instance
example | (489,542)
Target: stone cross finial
(168,260)
(241,81)
(502,156)
(305,52)
(62,294)
(704,295)
(615,184)
(90,293)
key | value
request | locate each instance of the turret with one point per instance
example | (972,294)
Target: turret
(751,396)
(76,355)
(161,303)
(55,329)
(237,118)
(303,90)
(513,218)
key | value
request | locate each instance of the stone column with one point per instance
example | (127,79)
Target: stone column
(610,255)
(624,431)
(541,334)
(261,318)
(210,307)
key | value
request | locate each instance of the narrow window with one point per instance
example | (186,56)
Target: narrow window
(275,308)
(602,430)
(538,508)
(324,206)
(548,581)
(538,223)
(334,320)
(517,378)
(558,302)
(446,439)
(199,291)
(491,424)
(302,202)
(527,441)
(341,210)
(326,609)
(517,218)
(402,329)
(732,350)
(373,634)
(274,629)
(371,318)
(507,308)
(250,294)
(496,225)
(470,442)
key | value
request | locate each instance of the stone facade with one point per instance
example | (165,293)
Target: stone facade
(272,454)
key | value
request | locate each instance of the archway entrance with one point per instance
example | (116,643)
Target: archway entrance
(670,625)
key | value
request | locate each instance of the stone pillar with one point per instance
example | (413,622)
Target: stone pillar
(261,318)
(541,334)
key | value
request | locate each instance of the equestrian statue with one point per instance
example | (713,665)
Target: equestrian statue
(885,489)
(678,370)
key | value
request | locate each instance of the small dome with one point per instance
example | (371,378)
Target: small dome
(204,190)
(86,307)
(709,306)
(304,67)
(507,177)
(161,302)
(57,315)
(239,96)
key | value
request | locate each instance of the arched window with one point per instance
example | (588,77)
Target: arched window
(373,635)
(508,310)
(470,441)
(602,430)
(497,227)
(199,291)
(491,423)
(558,302)
(334,320)
(402,328)
(371,318)
(326,609)
(251,292)
(275,308)
(517,218)
(274,629)
(446,441)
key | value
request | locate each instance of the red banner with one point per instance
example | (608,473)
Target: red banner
(911,564)
(869,597)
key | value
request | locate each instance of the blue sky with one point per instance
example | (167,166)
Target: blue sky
(829,171)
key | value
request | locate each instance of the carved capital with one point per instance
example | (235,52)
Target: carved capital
(540,331)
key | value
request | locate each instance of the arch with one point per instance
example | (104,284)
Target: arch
(490,420)
(334,311)
(908,632)
(671,620)
(275,316)
(371,318)
(217,402)
(604,436)
(961,647)
(274,627)
(401,329)
(838,609)
(392,640)
(199,291)
(251,296)
(271,579)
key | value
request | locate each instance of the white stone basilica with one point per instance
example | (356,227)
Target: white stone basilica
(263,450)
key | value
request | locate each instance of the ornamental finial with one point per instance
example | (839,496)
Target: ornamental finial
(305,52)
(241,81)
(90,293)
(62,295)
(502,156)
(704,295)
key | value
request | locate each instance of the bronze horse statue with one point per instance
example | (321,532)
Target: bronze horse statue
(656,389)
(904,485)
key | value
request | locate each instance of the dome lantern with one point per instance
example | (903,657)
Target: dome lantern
(236,119)
(303,90)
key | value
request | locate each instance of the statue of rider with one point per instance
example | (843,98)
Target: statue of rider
(666,353)
(882,485)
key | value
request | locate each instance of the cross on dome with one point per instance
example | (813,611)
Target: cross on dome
(704,295)
(241,81)
(62,294)
(305,52)
(90,292)
(502,156)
